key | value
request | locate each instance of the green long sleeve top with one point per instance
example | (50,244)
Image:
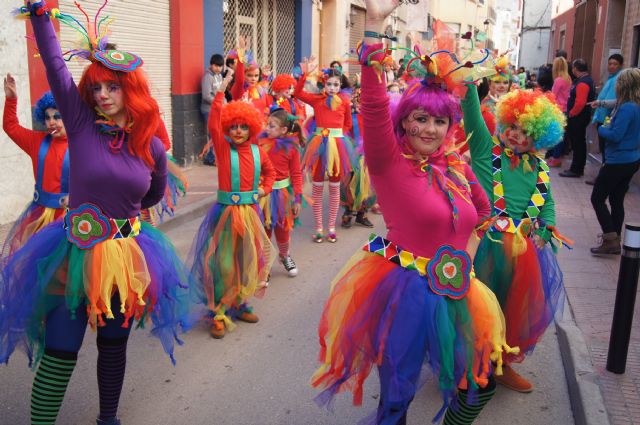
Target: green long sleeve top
(518,184)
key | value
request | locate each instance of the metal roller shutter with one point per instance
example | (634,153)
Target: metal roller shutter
(141,27)
(356,34)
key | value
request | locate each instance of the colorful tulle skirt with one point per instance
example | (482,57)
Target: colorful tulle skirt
(356,191)
(231,255)
(382,314)
(528,284)
(149,278)
(277,208)
(328,152)
(177,186)
(33,219)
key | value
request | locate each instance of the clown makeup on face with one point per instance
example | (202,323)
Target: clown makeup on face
(53,122)
(109,98)
(499,87)
(284,93)
(238,133)
(332,86)
(425,133)
(252,76)
(516,139)
(275,129)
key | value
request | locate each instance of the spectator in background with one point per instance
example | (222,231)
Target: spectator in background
(400,70)
(608,92)
(545,77)
(211,81)
(522,77)
(561,88)
(229,64)
(579,110)
(622,137)
(532,83)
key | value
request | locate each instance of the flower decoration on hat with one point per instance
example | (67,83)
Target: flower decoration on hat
(503,69)
(92,44)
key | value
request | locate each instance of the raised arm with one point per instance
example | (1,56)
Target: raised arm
(75,113)
(237,90)
(481,141)
(26,139)
(301,94)
(215,116)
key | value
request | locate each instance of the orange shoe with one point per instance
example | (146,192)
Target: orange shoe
(512,380)
(217,329)
(247,317)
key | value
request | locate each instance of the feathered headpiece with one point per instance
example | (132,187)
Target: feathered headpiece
(503,69)
(441,67)
(536,112)
(93,43)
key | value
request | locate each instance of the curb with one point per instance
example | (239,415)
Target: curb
(583,382)
(186,214)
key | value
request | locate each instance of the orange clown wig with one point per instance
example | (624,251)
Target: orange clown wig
(238,112)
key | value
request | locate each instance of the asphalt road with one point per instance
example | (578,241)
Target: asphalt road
(259,374)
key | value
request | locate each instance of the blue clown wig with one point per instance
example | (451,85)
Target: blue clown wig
(44,103)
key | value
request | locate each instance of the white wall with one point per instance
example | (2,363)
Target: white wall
(534,44)
(16,174)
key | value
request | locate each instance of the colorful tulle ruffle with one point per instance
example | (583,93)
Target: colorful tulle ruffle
(380,314)
(33,219)
(177,186)
(357,192)
(144,271)
(328,155)
(527,283)
(231,255)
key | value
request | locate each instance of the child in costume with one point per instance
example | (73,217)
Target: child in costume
(232,254)
(282,97)
(281,140)
(499,84)
(514,258)
(409,299)
(50,161)
(328,151)
(248,84)
(102,265)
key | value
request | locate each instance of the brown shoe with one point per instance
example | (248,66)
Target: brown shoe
(247,317)
(609,245)
(217,329)
(512,380)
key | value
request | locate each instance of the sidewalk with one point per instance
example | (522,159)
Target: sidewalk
(591,289)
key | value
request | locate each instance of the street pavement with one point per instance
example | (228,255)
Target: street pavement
(259,374)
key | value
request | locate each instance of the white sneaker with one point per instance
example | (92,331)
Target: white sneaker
(289,266)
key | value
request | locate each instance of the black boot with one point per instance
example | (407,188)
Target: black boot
(346,218)
(362,219)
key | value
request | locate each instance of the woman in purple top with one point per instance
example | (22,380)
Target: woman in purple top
(100,265)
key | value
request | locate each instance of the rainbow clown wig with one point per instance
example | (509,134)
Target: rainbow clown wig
(536,112)
(238,112)
(282,82)
(44,103)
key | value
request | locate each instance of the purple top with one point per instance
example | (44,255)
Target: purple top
(119,183)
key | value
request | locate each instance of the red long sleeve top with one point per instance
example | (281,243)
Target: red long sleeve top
(285,158)
(582,93)
(222,150)
(324,116)
(30,140)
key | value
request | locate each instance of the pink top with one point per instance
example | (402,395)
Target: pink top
(418,214)
(561,89)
